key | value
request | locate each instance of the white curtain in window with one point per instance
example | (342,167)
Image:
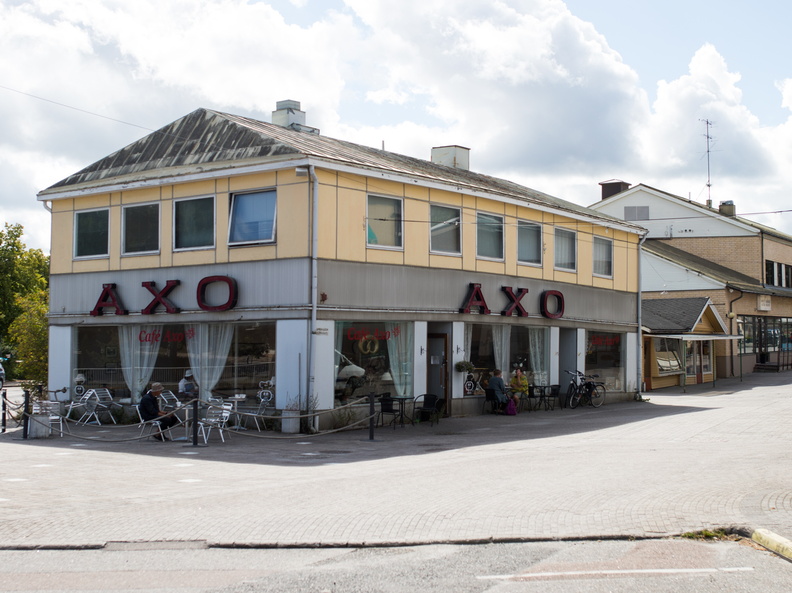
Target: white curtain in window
(208,345)
(536,351)
(138,357)
(501,339)
(400,351)
(565,249)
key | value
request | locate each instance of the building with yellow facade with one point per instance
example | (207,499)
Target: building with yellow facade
(250,251)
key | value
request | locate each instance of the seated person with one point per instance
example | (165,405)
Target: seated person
(150,410)
(499,387)
(519,386)
(188,388)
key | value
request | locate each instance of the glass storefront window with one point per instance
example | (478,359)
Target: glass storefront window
(529,352)
(667,354)
(604,354)
(372,357)
(249,359)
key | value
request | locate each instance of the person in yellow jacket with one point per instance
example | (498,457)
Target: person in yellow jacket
(519,387)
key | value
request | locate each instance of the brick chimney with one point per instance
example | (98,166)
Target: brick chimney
(727,208)
(613,187)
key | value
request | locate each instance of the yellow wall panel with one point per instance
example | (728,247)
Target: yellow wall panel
(448,198)
(136,196)
(265,180)
(416,191)
(194,188)
(140,262)
(416,233)
(385,256)
(350,181)
(328,221)
(445,261)
(293,223)
(194,258)
(222,212)
(489,267)
(326,177)
(61,205)
(351,240)
(252,253)
(91,265)
(90,202)
(385,187)
(61,247)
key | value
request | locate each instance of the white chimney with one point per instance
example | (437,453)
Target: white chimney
(452,156)
(289,115)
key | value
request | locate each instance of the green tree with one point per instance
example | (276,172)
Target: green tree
(28,333)
(23,271)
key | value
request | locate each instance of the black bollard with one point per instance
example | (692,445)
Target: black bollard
(195,423)
(371,415)
(5,410)
(26,415)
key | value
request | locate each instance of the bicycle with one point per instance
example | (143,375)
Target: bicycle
(583,389)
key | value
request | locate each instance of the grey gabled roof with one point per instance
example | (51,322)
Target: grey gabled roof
(207,139)
(670,316)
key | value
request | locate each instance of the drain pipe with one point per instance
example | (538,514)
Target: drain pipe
(314,287)
(732,322)
(639,332)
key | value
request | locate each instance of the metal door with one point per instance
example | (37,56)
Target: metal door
(437,370)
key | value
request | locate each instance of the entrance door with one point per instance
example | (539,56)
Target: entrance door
(693,364)
(437,371)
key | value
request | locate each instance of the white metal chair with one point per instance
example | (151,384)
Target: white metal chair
(266,406)
(169,400)
(50,409)
(95,402)
(216,417)
(149,424)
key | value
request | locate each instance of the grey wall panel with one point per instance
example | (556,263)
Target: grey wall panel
(421,290)
(281,283)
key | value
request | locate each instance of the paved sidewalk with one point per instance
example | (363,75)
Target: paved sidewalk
(712,457)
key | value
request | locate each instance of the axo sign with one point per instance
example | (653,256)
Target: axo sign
(111,299)
(475,298)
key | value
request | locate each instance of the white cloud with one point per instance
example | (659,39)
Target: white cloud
(535,92)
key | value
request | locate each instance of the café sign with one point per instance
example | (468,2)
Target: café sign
(110,298)
(551,302)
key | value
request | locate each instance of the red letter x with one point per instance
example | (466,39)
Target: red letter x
(159,297)
(515,301)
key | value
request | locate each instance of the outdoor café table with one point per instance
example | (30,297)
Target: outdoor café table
(402,401)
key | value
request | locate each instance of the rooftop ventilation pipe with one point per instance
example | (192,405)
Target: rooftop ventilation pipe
(287,114)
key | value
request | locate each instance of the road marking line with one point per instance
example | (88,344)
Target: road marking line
(584,573)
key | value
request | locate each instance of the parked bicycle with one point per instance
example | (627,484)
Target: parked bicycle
(584,389)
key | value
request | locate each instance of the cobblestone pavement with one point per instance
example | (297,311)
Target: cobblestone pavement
(712,457)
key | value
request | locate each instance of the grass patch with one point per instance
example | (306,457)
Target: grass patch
(707,535)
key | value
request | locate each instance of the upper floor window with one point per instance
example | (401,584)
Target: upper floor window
(489,235)
(445,234)
(636,213)
(603,256)
(778,274)
(193,223)
(141,229)
(529,243)
(91,233)
(565,249)
(252,218)
(384,221)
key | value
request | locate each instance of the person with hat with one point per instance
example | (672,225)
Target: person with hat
(150,410)
(188,388)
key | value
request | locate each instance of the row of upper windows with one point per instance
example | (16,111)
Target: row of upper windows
(253,215)
(385,222)
(252,220)
(778,274)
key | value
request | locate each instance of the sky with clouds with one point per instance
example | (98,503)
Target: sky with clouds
(555,95)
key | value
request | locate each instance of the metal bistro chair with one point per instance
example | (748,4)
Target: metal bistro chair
(428,406)
(95,402)
(150,425)
(51,409)
(265,407)
(216,417)
(387,407)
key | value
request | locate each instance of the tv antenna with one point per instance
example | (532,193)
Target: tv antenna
(708,124)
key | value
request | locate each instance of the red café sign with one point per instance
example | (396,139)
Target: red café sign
(111,299)
(475,298)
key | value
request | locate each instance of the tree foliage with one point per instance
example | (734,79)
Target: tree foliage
(23,272)
(28,332)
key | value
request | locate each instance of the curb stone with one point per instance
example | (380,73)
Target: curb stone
(773,542)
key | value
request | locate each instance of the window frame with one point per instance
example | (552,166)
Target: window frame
(178,201)
(443,225)
(594,241)
(400,232)
(231,217)
(479,230)
(526,223)
(556,247)
(126,208)
(76,223)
